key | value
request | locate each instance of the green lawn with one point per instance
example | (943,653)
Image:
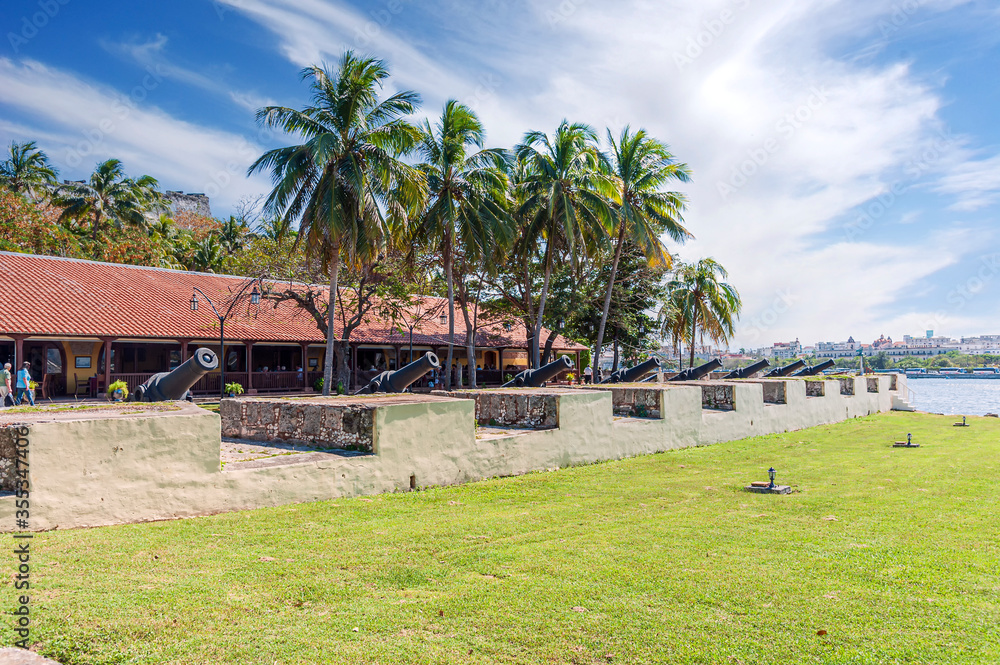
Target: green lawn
(661,559)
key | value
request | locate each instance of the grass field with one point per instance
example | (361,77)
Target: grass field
(879,556)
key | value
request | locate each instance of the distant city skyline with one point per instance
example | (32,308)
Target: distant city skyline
(845,153)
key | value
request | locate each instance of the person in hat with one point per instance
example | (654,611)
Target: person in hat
(24,384)
(5,388)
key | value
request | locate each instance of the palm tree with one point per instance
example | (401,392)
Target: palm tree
(27,171)
(465,206)
(703,300)
(110,197)
(207,256)
(566,194)
(231,234)
(644,212)
(275,229)
(346,183)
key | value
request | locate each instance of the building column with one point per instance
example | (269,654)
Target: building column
(107,361)
(184,350)
(305,365)
(18,352)
(578,370)
(249,352)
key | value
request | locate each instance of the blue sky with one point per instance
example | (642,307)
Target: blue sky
(846,154)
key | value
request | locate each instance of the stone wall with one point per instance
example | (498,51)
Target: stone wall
(8,456)
(319,425)
(815,388)
(531,409)
(872,384)
(847,385)
(718,396)
(775,392)
(179,202)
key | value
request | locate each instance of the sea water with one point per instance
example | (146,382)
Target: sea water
(957,397)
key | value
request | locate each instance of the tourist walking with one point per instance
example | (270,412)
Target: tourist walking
(6,391)
(24,385)
(588,374)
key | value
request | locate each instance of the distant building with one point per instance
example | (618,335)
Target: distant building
(837,349)
(786,350)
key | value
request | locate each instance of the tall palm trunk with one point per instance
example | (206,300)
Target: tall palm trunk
(694,329)
(536,335)
(607,294)
(331,333)
(448,270)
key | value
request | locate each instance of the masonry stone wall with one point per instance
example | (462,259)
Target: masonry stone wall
(8,457)
(331,426)
(179,202)
(775,392)
(718,396)
(513,408)
(847,385)
(815,388)
(872,384)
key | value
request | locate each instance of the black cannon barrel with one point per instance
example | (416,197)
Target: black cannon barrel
(536,378)
(174,385)
(695,373)
(652,378)
(402,378)
(634,373)
(749,371)
(786,370)
(816,369)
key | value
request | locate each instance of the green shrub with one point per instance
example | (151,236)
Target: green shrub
(234,388)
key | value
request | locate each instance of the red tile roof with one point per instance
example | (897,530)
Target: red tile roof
(43,295)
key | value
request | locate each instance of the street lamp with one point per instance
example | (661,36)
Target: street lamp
(771,473)
(254,299)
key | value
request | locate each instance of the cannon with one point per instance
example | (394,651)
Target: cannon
(634,373)
(401,379)
(815,369)
(786,370)
(652,378)
(747,372)
(176,384)
(695,373)
(536,378)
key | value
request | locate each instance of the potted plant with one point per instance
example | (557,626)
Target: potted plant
(32,386)
(118,391)
(233,389)
(570,378)
(318,385)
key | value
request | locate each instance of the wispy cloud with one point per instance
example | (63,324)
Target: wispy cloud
(976,184)
(99,122)
(151,54)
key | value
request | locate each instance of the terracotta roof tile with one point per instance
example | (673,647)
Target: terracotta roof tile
(42,295)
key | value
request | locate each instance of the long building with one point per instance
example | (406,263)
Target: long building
(84,324)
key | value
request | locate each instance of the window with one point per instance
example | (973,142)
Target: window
(53,364)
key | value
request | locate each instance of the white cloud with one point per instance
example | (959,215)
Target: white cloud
(152,55)
(975,183)
(96,123)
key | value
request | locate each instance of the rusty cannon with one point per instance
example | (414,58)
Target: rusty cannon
(536,378)
(699,372)
(786,370)
(815,369)
(176,384)
(633,374)
(749,371)
(399,380)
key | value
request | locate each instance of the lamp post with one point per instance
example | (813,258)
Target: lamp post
(254,299)
(771,473)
